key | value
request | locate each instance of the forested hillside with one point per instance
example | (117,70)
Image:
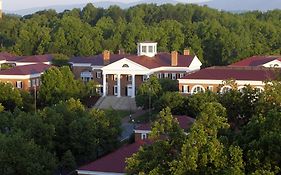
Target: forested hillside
(218,38)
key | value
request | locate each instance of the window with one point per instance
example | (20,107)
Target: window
(181,75)
(174,76)
(241,88)
(225,89)
(129,77)
(166,75)
(143,49)
(115,89)
(150,49)
(185,89)
(259,89)
(86,76)
(115,77)
(144,78)
(159,75)
(29,83)
(125,65)
(98,74)
(37,81)
(197,89)
(211,88)
(19,84)
(143,136)
(33,82)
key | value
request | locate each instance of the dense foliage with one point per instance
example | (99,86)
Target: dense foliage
(216,37)
(63,87)
(236,132)
(56,138)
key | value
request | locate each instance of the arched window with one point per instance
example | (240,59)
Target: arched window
(196,89)
(241,88)
(125,65)
(259,89)
(225,89)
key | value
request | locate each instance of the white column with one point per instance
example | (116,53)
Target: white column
(118,85)
(104,85)
(133,86)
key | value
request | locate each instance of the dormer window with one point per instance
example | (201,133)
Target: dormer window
(147,48)
(125,65)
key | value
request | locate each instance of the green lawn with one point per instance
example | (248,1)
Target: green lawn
(118,113)
(145,117)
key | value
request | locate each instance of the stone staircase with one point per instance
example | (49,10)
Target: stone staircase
(116,103)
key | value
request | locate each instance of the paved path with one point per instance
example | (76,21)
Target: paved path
(128,128)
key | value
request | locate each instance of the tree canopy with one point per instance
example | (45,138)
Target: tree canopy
(216,37)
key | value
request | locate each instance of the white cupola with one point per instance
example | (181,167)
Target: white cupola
(147,48)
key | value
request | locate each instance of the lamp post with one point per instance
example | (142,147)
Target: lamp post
(149,103)
(35,96)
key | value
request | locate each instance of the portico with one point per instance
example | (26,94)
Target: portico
(122,77)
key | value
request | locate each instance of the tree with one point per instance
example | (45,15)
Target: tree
(1,108)
(63,87)
(60,60)
(241,105)
(196,102)
(9,96)
(260,140)
(148,90)
(68,163)
(204,152)
(21,156)
(174,100)
(87,134)
(169,85)
(156,158)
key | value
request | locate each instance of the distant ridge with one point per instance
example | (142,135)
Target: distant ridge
(227,5)
(102,4)
(244,5)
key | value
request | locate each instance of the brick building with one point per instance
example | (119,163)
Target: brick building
(214,79)
(121,74)
(24,77)
(24,72)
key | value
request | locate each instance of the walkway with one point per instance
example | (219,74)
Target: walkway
(128,128)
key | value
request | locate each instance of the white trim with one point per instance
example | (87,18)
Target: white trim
(81,64)
(196,63)
(97,67)
(259,87)
(273,63)
(202,81)
(20,77)
(84,172)
(18,63)
(194,87)
(224,87)
(142,131)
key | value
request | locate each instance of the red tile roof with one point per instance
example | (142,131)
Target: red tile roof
(26,70)
(237,73)
(6,56)
(97,60)
(35,58)
(116,161)
(184,122)
(159,60)
(256,61)
(162,60)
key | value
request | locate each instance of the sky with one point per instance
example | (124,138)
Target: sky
(12,5)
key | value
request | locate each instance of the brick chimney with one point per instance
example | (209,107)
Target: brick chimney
(186,52)
(174,58)
(106,57)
